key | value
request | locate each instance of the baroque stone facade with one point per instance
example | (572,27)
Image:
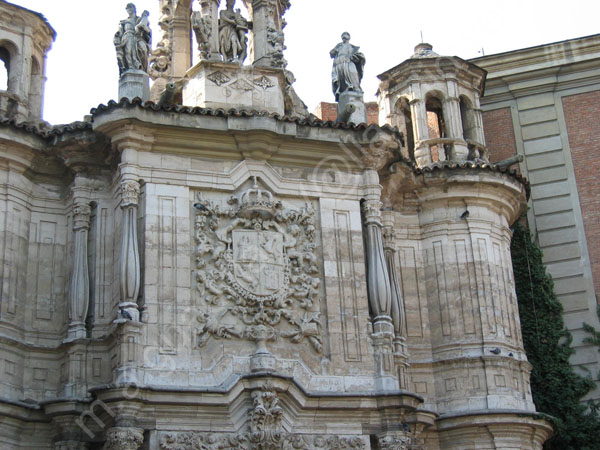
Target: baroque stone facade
(180,277)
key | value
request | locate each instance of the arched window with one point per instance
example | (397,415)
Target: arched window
(436,126)
(435,117)
(467,118)
(4,68)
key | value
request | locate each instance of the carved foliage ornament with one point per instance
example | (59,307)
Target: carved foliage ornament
(124,439)
(256,270)
(285,441)
(218,78)
(130,193)
(394,442)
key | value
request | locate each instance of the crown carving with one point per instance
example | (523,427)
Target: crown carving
(256,202)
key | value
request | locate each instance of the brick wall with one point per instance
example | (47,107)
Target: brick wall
(581,114)
(328,111)
(499,134)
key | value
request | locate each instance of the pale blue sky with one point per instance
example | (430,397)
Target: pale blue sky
(82,70)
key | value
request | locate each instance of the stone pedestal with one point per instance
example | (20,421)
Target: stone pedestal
(351,108)
(228,85)
(134,83)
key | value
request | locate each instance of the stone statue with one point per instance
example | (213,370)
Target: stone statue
(232,34)
(132,41)
(348,65)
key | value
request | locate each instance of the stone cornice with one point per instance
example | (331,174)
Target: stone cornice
(567,52)
(238,135)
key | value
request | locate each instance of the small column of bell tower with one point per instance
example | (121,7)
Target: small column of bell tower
(434,100)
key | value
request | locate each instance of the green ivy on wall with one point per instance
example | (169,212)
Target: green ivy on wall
(556,388)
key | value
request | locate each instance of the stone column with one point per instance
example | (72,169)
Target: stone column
(397,302)
(79,293)
(452,115)
(124,438)
(378,283)
(130,257)
(420,131)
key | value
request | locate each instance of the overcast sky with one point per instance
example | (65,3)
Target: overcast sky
(82,70)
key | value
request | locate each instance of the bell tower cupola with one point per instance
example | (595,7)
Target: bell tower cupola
(434,101)
(25,39)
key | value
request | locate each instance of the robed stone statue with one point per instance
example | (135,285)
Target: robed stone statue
(133,41)
(348,65)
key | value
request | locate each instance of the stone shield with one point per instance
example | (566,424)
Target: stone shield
(258,261)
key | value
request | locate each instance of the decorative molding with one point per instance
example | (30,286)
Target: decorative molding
(241,85)
(263,82)
(257,270)
(394,441)
(218,77)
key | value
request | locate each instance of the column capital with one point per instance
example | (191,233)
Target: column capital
(130,193)
(124,438)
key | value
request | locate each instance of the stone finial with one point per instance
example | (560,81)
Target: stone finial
(424,50)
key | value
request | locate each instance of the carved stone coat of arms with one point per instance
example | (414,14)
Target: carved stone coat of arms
(256,270)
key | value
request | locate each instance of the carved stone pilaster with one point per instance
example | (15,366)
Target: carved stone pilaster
(268,38)
(79,292)
(121,438)
(397,302)
(130,258)
(208,35)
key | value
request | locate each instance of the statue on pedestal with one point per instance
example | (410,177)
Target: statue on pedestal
(348,65)
(132,41)
(233,27)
